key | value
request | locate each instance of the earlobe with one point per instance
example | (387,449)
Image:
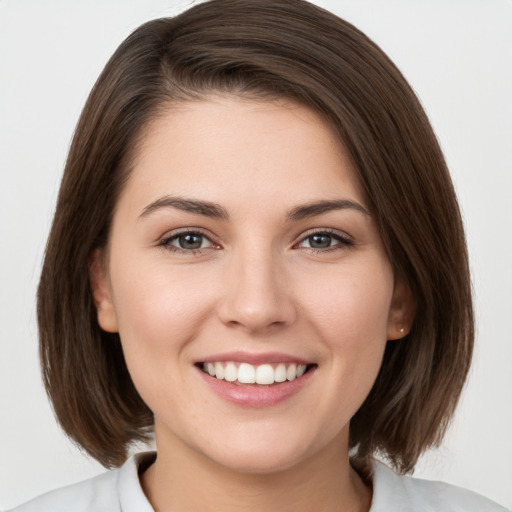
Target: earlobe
(102,295)
(401,311)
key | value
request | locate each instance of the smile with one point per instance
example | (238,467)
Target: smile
(252,380)
(263,374)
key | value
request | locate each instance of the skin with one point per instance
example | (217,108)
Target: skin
(257,284)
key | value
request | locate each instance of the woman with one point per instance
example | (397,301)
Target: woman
(257,251)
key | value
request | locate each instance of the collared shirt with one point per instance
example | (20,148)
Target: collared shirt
(120,491)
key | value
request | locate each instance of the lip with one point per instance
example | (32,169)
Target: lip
(254,359)
(255,396)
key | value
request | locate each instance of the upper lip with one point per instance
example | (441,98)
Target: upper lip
(254,359)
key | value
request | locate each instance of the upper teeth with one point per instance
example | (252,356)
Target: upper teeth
(246,373)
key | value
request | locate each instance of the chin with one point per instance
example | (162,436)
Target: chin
(261,463)
(260,456)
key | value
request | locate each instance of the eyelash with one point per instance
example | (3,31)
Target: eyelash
(344,241)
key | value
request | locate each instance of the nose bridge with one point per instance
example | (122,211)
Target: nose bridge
(256,293)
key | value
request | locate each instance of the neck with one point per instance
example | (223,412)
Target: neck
(183,479)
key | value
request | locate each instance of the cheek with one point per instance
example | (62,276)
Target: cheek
(350,314)
(159,310)
(351,305)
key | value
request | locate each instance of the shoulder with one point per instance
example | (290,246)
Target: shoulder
(406,494)
(112,491)
(96,495)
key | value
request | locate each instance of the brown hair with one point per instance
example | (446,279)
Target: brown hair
(268,48)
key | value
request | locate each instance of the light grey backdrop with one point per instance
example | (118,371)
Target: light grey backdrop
(457,54)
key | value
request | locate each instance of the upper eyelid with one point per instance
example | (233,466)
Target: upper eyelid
(336,232)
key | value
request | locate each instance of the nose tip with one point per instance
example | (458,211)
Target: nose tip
(256,298)
(253,318)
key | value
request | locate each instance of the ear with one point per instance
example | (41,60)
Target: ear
(401,312)
(100,287)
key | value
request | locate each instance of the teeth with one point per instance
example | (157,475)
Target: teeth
(280,373)
(230,373)
(245,373)
(291,372)
(300,370)
(265,374)
(219,371)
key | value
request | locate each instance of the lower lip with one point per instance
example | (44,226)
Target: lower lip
(253,395)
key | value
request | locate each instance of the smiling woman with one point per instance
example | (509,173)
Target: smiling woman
(257,256)
(247,297)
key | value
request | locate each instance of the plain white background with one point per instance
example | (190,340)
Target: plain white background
(457,55)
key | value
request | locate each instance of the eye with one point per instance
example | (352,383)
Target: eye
(324,241)
(187,241)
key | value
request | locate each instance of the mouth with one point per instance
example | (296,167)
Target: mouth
(261,375)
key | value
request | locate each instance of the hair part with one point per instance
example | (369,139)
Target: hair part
(266,49)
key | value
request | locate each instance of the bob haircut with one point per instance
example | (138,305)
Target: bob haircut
(264,49)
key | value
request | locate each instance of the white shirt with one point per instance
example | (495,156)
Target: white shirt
(120,491)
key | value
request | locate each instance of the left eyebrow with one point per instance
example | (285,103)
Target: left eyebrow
(317,208)
(206,208)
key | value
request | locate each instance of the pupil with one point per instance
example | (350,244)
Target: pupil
(320,241)
(190,241)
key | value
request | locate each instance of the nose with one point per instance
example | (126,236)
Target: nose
(256,295)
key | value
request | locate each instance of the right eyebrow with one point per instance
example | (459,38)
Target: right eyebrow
(319,207)
(206,208)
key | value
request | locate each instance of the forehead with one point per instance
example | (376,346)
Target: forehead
(234,149)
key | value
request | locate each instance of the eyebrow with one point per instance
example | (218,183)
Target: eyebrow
(216,211)
(206,208)
(317,208)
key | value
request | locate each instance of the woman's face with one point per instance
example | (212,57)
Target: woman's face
(243,246)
